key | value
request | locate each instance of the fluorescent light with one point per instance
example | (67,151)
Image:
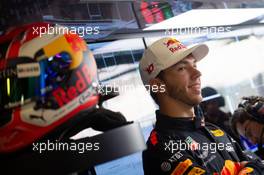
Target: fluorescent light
(208,17)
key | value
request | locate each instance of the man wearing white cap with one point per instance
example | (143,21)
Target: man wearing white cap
(180,143)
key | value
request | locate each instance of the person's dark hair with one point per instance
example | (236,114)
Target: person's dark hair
(209,92)
(241,114)
(154,94)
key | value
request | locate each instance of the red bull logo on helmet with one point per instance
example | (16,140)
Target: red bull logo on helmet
(174,45)
(85,78)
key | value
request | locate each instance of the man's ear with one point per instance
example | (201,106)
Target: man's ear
(157,83)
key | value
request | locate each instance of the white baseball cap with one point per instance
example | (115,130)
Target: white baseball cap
(164,53)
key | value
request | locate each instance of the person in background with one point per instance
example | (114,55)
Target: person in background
(211,107)
(212,101)
(248,121)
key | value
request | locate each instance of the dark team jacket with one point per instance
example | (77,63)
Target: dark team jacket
(180,146)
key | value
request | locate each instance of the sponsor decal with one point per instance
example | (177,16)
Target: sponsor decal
(210,160)
(196,171)
(182,167)
(165,166)
(38,117)
(230,168)
(170,42)
(153,138)
(246,171)
(9,72)
(84,79)
(234,168)
(85,96)
(175,157)
(179,47)
(217,132)
(21,71)
(28,70)
(232,140)
(76,42)
(44,117)
(150,68)
(174,45)
(192,144)
(204,154)
(7,139)
(230,149)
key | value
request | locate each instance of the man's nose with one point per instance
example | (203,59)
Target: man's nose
(195,73)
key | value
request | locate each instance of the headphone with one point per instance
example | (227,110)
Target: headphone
(255,110)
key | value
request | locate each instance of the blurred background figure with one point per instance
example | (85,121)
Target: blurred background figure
(212,101)
(211,107)
(248,121)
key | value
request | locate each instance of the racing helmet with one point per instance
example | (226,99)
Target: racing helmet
(47,76)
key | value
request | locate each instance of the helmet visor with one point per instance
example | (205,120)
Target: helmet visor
(24,79)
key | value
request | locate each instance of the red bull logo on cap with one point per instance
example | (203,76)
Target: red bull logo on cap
(170,42)
(174,45)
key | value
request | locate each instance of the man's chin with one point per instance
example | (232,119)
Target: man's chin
(193,103)
(196,101)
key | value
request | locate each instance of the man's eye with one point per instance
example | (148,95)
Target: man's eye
(181,68)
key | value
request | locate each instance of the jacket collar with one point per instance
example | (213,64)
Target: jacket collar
(165,122)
